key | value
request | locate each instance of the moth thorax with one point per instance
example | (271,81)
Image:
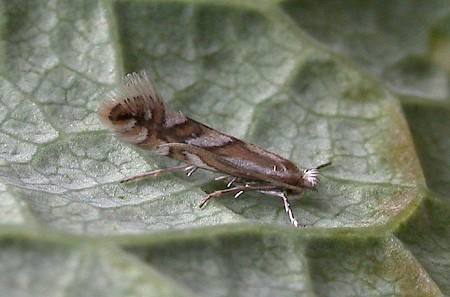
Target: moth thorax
(310,178)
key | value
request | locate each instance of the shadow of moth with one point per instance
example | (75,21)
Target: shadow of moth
(138,115)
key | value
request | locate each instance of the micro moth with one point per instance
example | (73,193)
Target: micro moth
(138,115)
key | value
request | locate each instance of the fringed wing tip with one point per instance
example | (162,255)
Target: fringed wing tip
(136,94)
(105,109)
(139,84)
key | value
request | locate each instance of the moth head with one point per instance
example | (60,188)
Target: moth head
(311,177)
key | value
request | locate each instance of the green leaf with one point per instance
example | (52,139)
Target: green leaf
(364,86)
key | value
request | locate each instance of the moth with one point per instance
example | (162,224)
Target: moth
(137,114)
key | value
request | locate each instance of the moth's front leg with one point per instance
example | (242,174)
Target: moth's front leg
(287,206)
(263,188)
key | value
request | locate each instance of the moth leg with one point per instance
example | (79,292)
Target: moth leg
(219,193)
(265,189)
(230,183)
(239,193)
(230,179)
(191,169)
(288,209)
(287,206)
(156,173)
(239,190)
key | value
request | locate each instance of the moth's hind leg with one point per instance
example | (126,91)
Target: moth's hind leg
(157,172)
